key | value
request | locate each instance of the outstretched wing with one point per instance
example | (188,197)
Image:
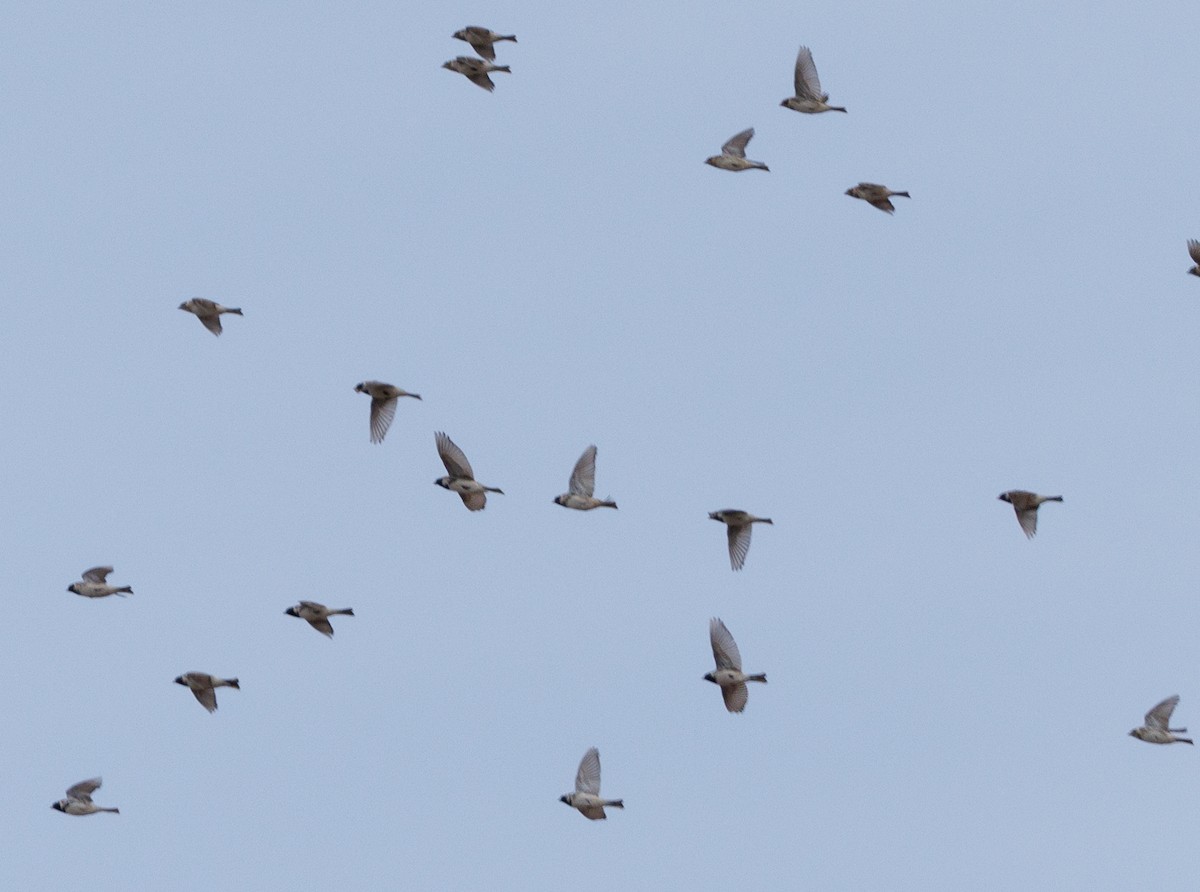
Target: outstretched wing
(587,778)
(452,457)
(739,545)
(1160,715)
(737,144)
(96,574)
(808,85)
(583,478)
(84,789)
(724,648)
(383,410)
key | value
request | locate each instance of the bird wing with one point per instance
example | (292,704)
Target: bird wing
(587,778)
(735,697)
(313,605)
(84,790)
(1160,715)
(594,813)
(724,648)
(207,697)
(475,501)
(736,145)
(481,79)
(479,39)
(383,410)
(1194,250)
(808,85)
(739,545)
(453,458)
(323,626)
(96,574)
(212,323)
(1027,518)
(583,478)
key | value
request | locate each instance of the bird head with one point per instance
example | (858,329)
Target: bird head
(73,587)
(291,611)
(361,387)
(565,799)
(1004,497)
(61,805)
(443,482)
(710,677)
(459,35)
(560,500)
(180,680)
(715,515)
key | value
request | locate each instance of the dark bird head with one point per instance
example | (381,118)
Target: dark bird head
(784,103)
(564,799)
(459,35)
(449,65)
(60,805)
(715,515)
(851,193)
(180,680)
(73,587)
(291,611)
(1004,497)
(360,387)
(558,500)
(710,677)
(1195,270)
(443,482)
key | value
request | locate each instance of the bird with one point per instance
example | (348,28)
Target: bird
(875,195)
(739,523)
(733,154)
(461,478)
(384,398)
(204,687)
(79,800)
(586,797)
(729,675)
(1026,505)
(475,70)
(317,615)
(808,99)
(481,40)
(93,584)
(582,485)
(1158,719)
(209,312)
(1194,251)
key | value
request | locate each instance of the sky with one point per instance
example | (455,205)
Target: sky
(553,265)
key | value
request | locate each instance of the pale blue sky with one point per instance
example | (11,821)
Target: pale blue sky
(553,265)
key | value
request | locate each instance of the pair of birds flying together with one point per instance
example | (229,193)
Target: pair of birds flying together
(482,41)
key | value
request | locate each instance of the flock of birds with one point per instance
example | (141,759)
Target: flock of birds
(460,478)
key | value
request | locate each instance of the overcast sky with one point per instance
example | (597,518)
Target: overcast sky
(553,265)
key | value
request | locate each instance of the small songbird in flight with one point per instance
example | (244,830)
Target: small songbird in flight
(209,312)
(582,485)
(204,687)
(1158,719)
(733,154)
(317,615)
(79,800)
(809,98)
(94,585)
(586,797)
(739,523)
(481,40)
(1194,252)
(875,195)
(475,70)
(384,398)
(729,674)
(461,478)
(1026,505)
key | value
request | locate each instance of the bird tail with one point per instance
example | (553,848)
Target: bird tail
(493,489)
(235,310)
(502,68)
(115,811)
(511,37)
(904,194)
(761,166)
(124,589)
(349,611)
(760,677)
(608,504)
(233,683)
(620,803)
(1177,730)
(766,520)
(836,108)
(1053,498)
(1184,740)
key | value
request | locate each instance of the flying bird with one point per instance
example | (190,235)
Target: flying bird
(1194,251)
(1158,719)
(209,312)
(1026,505)
(729,674)
(461,478)
(93,584)
(582,485)
(204,687)
(79,799)
(384,398)
(586,797)
(317,615)
(481,40)
(809,98)
(875,195)
(475,70)
(733,154)
(739,523)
